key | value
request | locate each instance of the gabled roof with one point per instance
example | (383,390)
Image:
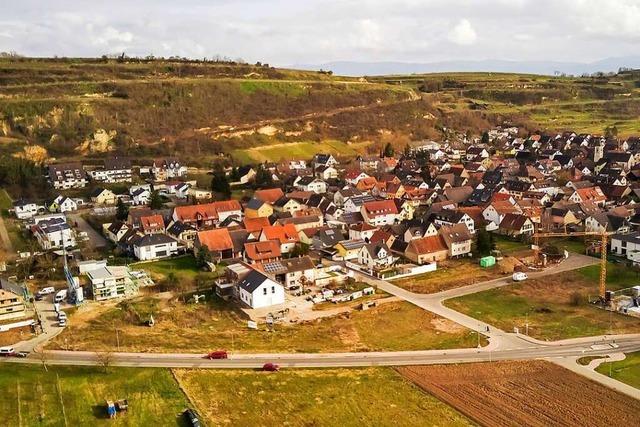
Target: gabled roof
(152,222)
(252,281)
(456,233)
(207,210)
(380,207)
(217,239)
(255,224)
(513,222)
(283,233)
(427,245)
(269,195)
(258,251)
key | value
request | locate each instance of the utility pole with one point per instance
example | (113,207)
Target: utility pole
(117,339)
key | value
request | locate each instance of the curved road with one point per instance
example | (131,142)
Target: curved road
(502,345)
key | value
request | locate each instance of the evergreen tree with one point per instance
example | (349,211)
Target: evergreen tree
(220,184)
(388,150)
(122,211)
(155,201)
(485,138)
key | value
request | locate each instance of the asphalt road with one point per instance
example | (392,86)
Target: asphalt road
(96,240)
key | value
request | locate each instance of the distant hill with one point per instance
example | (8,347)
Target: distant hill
(353,68)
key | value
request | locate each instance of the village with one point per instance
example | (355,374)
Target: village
(324,230)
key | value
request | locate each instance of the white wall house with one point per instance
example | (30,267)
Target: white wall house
(257,290)
(54,233)
(26,210)
(154,246)
(626,245)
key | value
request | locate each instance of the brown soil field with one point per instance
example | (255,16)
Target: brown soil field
(535,393)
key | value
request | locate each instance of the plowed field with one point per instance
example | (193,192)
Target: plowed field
(533,393)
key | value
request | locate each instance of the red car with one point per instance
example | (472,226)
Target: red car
(218,354)
(270,367)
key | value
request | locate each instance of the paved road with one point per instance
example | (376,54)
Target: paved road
(96,240)
(585,347)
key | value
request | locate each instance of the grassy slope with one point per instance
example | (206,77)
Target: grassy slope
(546,305)
(37,397)
(371,396)
(627,370)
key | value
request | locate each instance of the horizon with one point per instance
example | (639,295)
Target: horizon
(285,33)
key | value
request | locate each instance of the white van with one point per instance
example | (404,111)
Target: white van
(60,296)
(47,291)
(7,351)
(519,277)
(62,315)
(62,322)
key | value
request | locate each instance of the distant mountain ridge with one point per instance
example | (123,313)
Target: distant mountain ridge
(355,68)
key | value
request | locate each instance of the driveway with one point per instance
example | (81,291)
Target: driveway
(96,240)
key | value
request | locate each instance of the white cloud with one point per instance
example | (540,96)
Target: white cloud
(463,33)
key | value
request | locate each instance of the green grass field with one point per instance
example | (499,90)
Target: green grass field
(296,150)
(627,370)
(76,396)
(331,397)
(184,268)
(548,305)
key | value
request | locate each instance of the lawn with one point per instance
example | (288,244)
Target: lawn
(5,201)
(555,307)
(450,274)
(184,268)
(76,396)
(328,397)
(296,150)
(627,370)
(217,324)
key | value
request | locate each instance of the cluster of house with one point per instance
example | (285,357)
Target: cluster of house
(379,213)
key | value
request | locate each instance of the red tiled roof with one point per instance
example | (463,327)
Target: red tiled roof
(217,239)
(427,245)
(258,251)
(255,224)
(269,195)
(152,222)
(380,207)
(283,233)
(207,210)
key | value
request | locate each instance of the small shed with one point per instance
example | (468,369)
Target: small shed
(487,261)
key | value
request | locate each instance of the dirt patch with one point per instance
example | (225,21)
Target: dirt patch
(535,393)
(15,335)
(446,325)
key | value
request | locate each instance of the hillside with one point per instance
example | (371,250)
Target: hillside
(82,108)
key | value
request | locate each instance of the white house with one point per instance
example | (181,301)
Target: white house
(54,233)
(380,212)
(376,256)
(116,169)
(63,204)
(111,282)
(309,183)
(26,210)
(154,246)
(257,290)
(67,175)
(140,195)
(167,169)
(626,245)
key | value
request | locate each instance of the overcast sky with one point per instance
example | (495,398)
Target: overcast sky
(286,32)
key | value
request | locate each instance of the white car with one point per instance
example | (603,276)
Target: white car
(519,277)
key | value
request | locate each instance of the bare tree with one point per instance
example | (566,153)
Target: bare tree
(104,359)
(43,355)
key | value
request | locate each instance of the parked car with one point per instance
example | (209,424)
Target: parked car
(62,315)
(218,354)
(7,351)
(270,367)
(21,354)
(60,296)
(62,322)
(46,291)
(192,417)
(519,277)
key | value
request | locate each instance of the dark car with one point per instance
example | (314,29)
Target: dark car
(218,354)
(192,417)
(270,367)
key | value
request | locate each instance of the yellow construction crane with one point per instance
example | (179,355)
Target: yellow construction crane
(604,236)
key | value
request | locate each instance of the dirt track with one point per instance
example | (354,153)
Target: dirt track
(533,393)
